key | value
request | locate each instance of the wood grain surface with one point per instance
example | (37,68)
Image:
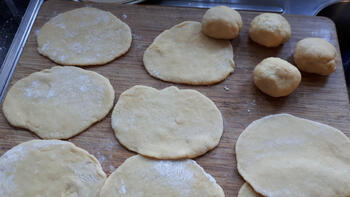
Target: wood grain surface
(318,98)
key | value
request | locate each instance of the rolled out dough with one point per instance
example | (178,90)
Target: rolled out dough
(183,54)
(60,102)
(141,177)
(166,124)
(283,155)
(49,168)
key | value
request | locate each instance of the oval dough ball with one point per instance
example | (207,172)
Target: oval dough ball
(183,54)
(49,168)
(269,29)
(84,36)
(276,77)
(221,22)
(139,176)
(60,102)
(247,191)
(168,123)
(315,55)
(283,155)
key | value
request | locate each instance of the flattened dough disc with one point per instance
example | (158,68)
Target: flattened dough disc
(60,102)
(168,123)
(283,155)
(141,177)
(84,36)
(183,54)
(49,168)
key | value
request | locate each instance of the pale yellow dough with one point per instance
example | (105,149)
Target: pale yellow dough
(315,55)
(221,22)
(276,77)
(60,102)
(247,191)
(142,177)
(84,36)
(168,123)
(269,29)
(283,155)
(183,54)
(49,168)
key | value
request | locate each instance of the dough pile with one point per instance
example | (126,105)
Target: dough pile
(84,36)
(276,77)
(168,123)
(60,102)
(269,29)
(315,55)
(49,168)
(221,22)
(183,54)
(139,176)
(283,155)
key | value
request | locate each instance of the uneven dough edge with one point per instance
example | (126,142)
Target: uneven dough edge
(222,78)
(22,125)
(251,180)
(95,63)
(160,156)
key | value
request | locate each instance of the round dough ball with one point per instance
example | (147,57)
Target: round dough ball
(283,155)
(221,22)
(183,54)
(168,123)
(247,191)
(139,176)
(49,168)
(276,77)
(84,36)
(269,29)
(60,102)
(315,55)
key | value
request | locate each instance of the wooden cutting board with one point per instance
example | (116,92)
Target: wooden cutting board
(322,99)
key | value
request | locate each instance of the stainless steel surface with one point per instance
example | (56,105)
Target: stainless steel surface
(299,7)
(17,45)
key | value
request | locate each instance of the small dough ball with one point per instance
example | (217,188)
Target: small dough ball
(315,55)
(221,22)
(276,77)
(269,29)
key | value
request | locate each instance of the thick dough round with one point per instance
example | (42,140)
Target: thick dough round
(168,123)
(221,22)
(247,191)
(60,102)
(139,176)
(183,54)
(315,55)
(283,155)
(269,29)
(49,168)
(276,77)
(84,36)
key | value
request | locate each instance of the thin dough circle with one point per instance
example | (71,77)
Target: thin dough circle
(168,123)
(49,168)
(60,102)
(183,54)
(84,36)
(283,155)
(247,191)
(139,176)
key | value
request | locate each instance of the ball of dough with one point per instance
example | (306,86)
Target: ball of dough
(269,29)
(221,22)
(315,55)
(276,77)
